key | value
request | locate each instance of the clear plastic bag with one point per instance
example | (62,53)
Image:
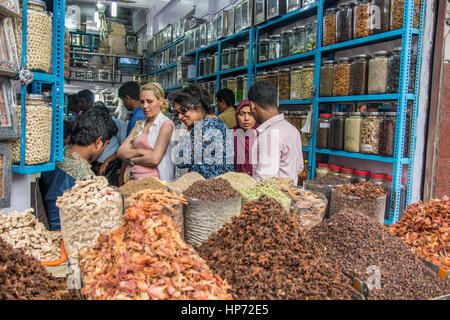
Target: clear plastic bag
(372,207)
(310,211)
(326,190)
(204,217)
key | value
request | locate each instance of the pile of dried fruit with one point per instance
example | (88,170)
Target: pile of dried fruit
(184,182)
(361,247)
(145,258)
(425,227)
(212,189)
(23,230)
(137,185)
(23,277)
(263,254)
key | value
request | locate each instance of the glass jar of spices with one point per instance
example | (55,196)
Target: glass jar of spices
(362,26)
(329,27)
(341,85)
(337,125)
(299,40)
(201,67)
(344,22)
(335,170)
(378,179)
(261,76)
(387,134)
(361,175)
(232,85)
(225,59)
(397,13)
(263,50)
(240,56)
(296,83)
(352,132)
(224,83)
(233,58)
(245,87)
(323,130)
(286,37)
(275,47)
(239,88)
(348,173)
(370,133)
(311,36)
(323,169)
(308,81)
(359,74)
(208,65)
(284,84)
(272,77)
(246,54)
(327,79)
(378,73)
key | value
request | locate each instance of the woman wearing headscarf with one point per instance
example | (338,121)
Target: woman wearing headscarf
(243,143)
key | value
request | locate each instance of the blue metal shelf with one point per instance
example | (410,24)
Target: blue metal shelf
(371,97)
(298,57)
(163,69)
(359,156)
(295,102)
(165,48)
(238,69)
(306,149)
(56,79)
(207,76)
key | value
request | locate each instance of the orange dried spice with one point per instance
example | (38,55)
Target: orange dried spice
(145,258)
(425,227)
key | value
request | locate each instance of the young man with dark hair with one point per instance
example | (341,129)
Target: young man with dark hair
(109,164)
(129,93)
(225,105)
(279,142)
(85,102)
(89,138)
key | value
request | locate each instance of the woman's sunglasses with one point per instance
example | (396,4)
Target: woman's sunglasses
(184,110)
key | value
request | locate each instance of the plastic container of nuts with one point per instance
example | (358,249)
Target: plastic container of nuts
(341,86)
(329,27)
(370,133)
(38,131)
(362,26)
(39,36)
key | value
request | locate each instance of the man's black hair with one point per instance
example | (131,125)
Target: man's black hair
(73,99)
(92,125)
(264,94)
(68,127)
(130,89)
(226,95)
(99,105)
(193,94)
(87,95)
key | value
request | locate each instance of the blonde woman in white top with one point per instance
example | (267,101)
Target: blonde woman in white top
(150,143)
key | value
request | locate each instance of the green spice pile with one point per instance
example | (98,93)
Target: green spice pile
(264,254)
(184,182)
(239,180)
(254,193)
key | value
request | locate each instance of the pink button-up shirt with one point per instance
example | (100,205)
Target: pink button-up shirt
(279,150)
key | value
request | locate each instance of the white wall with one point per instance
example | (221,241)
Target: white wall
(20,193)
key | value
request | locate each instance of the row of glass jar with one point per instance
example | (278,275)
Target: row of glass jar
(364,74)
(295,83)
(298,119)
(236,84)
(298,40)
(167,78)
(234,57)
(369,133)
(352,20)
(355,176)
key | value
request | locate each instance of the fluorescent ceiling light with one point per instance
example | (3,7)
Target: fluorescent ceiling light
(114,9)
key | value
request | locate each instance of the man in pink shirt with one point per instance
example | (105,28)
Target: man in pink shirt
(279,148)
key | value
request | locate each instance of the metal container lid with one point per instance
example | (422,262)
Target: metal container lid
(344,59)
(297,68)
(39,3)
(272,72)
(346,4)
(232,50)
(362,56)
(284,70)
(264,40)
(339,113)
(262,73)
(331,11)
(398,49)
(241,47)
(275,36)
(373,113)
(329,62)
(286,32)
(308,65)
(355,113)
(35,97)
(391,114)
(382,53)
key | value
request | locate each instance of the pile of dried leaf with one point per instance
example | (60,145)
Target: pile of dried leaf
(263,254)
(145,258)
(24,278)
(425,227)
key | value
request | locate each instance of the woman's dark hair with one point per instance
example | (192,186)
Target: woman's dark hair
(264,94)
(92,125)
(193,95)
(68,128)
(130,89)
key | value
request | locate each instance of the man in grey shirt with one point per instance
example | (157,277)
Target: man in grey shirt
(108,164)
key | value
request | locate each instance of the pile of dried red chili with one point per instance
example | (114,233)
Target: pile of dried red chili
(24,278)
(263,254)
(425,227)
(145,258)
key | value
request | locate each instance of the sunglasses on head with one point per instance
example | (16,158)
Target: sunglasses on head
(184,110)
